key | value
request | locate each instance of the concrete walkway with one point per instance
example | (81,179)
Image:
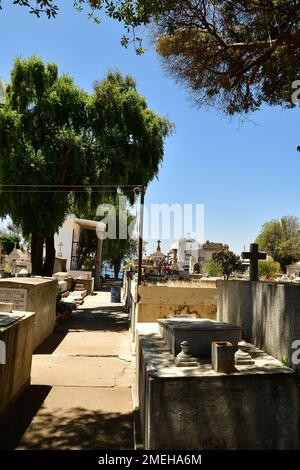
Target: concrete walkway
(81,389)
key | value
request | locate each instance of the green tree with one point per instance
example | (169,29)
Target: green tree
(236,54)
(43,147)
(229,262)
(214,269)
(122,247)
(268,268)
(281,240)
(57,143)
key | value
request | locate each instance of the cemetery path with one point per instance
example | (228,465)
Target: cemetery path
(81,386)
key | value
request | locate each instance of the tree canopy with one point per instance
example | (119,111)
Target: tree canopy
(228,261)
(281,240)
(236,54)
(58,144)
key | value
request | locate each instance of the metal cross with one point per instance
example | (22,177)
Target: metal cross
(253,255)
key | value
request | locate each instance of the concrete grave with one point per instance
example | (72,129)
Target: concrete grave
(34,295)
(16,334)
(198,408)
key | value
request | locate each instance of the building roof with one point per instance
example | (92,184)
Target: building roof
(213,246)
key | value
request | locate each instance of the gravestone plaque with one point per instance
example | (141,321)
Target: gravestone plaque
(18,297)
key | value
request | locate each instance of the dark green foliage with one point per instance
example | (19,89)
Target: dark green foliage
(8,242)
(236,54)
(57,144)
(281,240)
(229,262)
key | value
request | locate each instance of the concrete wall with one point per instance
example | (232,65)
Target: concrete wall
(15,374)
(163,302)
(269,313)
(41,299)
(266,423)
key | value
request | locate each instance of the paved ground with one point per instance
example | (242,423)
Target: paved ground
(81,389)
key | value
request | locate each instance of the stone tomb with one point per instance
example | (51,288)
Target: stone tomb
(16,341)
(198,408)
(33,295)
(200,332)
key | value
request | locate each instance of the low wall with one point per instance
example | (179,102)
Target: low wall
(164,301)
(15,374)
(269,313)
(33,295)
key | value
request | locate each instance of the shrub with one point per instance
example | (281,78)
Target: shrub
(268,268)
(214,269)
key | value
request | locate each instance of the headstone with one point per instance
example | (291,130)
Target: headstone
(18,297)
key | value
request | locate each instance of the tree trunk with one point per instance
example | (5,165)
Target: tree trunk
(37,244)
(117,267)
(50,256)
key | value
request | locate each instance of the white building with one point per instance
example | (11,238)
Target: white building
(190,256)
(67,242)
(182,251)
(293,269)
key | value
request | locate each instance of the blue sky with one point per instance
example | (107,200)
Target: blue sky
(244,174)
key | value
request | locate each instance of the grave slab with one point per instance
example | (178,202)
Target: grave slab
(200,333)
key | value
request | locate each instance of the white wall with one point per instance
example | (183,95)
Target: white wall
(65,236)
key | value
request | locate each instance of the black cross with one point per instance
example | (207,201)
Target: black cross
(253,255)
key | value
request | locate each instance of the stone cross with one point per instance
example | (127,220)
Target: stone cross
(60,253)
(253,255)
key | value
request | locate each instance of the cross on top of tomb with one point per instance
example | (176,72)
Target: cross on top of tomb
(253,255)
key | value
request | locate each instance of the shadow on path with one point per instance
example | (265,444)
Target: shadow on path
(15,421)
(78,428)
(104,318)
